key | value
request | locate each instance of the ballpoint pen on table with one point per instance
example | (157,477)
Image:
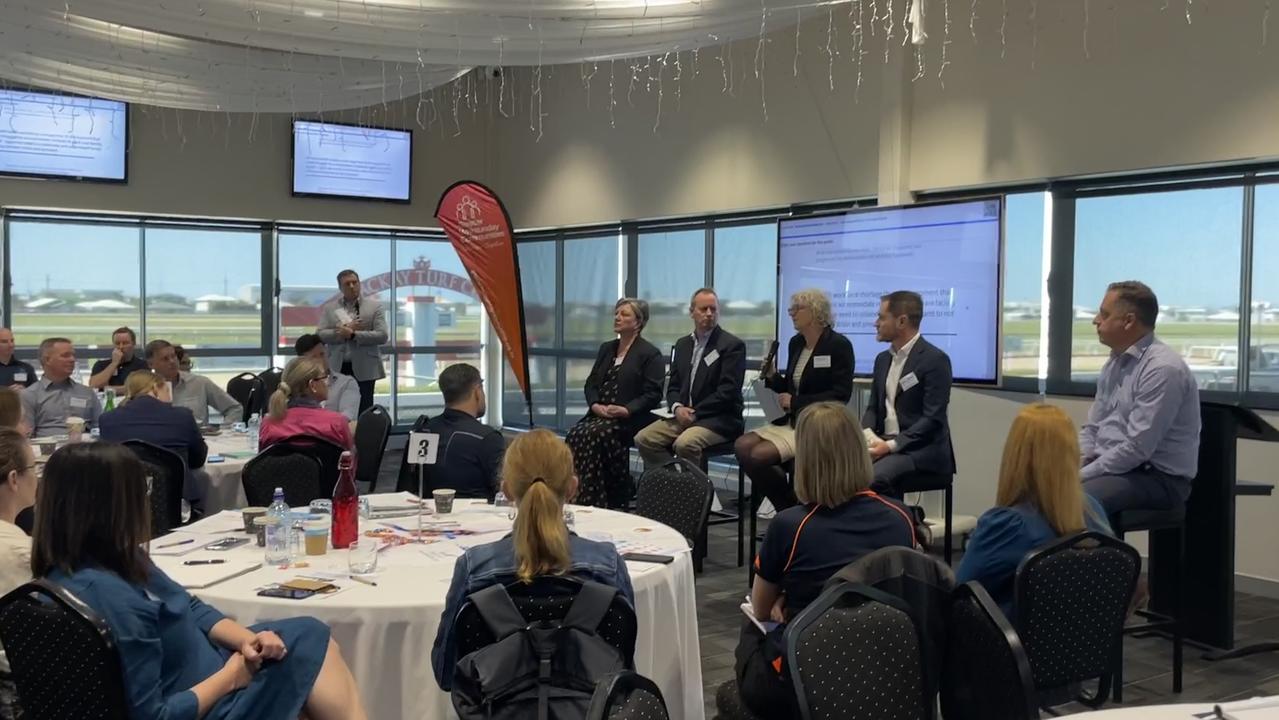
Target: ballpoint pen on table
(203,562)
(363,580)
(175,544)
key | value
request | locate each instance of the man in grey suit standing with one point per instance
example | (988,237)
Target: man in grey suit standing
(353,329)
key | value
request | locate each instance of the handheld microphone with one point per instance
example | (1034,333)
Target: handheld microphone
(769,358)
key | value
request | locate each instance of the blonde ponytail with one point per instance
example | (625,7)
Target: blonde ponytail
(279,403)
(296,380)
(538,472)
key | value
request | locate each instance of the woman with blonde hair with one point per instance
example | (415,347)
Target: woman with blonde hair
(296,407)
(537,474)
(840,520)
(819,368)
(1039,499)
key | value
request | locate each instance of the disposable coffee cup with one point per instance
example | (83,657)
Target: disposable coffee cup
(250,514)
(75,428)
(315,534)
(443,500)
(260,525)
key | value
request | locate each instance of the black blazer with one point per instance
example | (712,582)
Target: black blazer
(833,381)
(159,423)
(922,410)
(639,381)
(715,393)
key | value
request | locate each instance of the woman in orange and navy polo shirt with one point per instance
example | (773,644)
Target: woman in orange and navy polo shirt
(839,520)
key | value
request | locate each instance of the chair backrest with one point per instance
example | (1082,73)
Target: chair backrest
(986,674)
(548,598)
(854,654)
(167,472)
(677,494)
(270,381)
(406,480)
(283,466)
(371,432)
(1071,599)
(247,389)
(627,696)
(326,452)
(62,655)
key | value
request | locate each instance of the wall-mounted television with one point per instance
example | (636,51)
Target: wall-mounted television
(948,252)
(349,161)
(51,135)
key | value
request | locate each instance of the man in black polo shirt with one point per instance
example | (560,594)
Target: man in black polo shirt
(470,455)
(13,372)
(113,372)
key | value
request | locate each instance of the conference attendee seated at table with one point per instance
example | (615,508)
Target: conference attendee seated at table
(14,373)
(56,397)
(296,407)
(193,392)
(148,414)
(344,393)
(123,362)
(819,368)
(1139,448)
(1039,498)
(537,474)
(18,481)
(840,520)
(184,361)
(907,419)
(469,458)
(704,390)
(11,411)
(179,657)
(624,386)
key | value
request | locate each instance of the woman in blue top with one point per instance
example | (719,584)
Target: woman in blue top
(537,474)
(181,659)
(1039,499)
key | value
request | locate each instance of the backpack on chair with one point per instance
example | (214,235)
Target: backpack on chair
(545,669)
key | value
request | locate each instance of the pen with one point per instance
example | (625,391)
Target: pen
(175,544)
(362,580)
(204,562)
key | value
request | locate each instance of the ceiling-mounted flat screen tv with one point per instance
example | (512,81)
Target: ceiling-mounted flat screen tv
(50,135)
(349,161)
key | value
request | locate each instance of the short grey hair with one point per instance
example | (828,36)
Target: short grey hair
(817,301)
(46,346)
(639,307)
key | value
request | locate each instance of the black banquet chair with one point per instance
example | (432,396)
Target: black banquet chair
(678,494)
(406,480)
(270,381)
(62,655)
(854,655)
(246,388)
(166,475)
(986,675)
(287,467)
(371,432)
(627,696)
(1071,598)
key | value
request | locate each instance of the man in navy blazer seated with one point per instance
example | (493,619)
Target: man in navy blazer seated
(704,390)
(906,422)
(149,415)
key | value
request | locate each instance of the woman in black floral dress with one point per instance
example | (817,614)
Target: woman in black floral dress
(624,386)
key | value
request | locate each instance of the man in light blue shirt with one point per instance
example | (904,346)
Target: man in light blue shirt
(56,397)
(1140,445)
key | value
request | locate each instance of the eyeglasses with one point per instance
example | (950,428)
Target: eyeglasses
(796,308)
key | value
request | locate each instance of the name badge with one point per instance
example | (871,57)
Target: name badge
(907,382)
(79,402)
(617,361)
(821,361)
(711,357)
(19,377)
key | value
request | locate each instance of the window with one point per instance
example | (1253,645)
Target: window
(437,305)
(417,389)
(1186,245)
(544,385)
(746,282)
(1263,362)
(671,266)
(74,280)
(308,268)
(203,287)
(537,283)
(590,290)
(1027,233)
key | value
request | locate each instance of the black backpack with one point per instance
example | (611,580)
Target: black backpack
(545,669)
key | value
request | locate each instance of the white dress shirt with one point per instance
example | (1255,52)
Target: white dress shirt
(891,382)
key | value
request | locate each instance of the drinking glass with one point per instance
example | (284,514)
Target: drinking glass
(361,557)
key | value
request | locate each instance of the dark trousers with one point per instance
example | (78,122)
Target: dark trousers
(366,387)
(889,469)
(1145,488)
(761,689)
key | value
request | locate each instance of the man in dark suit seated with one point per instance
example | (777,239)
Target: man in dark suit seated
(906,422)
(469,459)
(704,392)
(149,415)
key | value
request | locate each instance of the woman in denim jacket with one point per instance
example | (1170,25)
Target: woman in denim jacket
(537,474)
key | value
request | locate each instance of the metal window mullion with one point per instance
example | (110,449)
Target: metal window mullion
(142,282)
(268,297)
(1061,278)
(1243,368)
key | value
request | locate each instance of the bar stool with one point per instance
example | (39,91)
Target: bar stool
(723,515)
(920,481)
(1170,521)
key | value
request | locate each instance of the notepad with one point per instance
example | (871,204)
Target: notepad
(196,577)
(765,626)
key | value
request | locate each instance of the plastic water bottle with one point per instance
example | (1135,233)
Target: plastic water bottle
(253,428)
(278,532)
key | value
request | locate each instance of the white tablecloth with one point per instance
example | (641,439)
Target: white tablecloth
(220,481)
(386,632)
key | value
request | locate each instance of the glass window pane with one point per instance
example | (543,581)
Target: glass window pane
(543,384)
(590,289)
(575,372)
(74,280)
(1186,246)
(437,304)
(537,282)
(746,282)
(671,266)
(308,269)
(1025,230)
(203,287)
(416,388)
(1263,373)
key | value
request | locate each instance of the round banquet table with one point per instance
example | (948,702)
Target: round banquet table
(386,632)
(1172,712)
(220,481)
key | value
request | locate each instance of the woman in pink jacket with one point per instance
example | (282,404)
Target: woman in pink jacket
(295,407)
